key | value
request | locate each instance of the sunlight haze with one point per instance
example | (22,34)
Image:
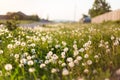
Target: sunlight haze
(54,9)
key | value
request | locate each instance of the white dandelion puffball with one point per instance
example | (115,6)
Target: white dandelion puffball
(31,70)
(42,65)
(8,67)
(71,64)
(89,62)
(65,72)
(1,51)
(30,62)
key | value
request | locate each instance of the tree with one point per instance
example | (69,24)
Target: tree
(99,7)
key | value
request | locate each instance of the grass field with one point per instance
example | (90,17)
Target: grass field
(69,52)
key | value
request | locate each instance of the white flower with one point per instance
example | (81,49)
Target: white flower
(63,54)
(96,56)
(76,61)
(31,70)
(63,64)
(118,72)
(46,61)
(53,70)
(17,43)
(16,56)
(107,79)
(64,43)
(86,71)
(9,46)
(69,59)
(30,62)
(89,62)
(42,65)
(81,50)
(23,43)
(71,64)
(112,37)
(23,61)
(29,57)
(86,56)
(1,51)
(78,58)
(57,46)
(8,67)
(65,72)
(65,49)
(54,57)
(1,73)
(33,50)
(75,53)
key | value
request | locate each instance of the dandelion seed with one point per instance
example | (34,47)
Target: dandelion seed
(1,51)
(71,64)
(42,65)
(65,72)
(86,71)
(53,70)
(9,46)
(69,59)
(30,62)
(8,67)
(89,62)
(31,70)
(86,56)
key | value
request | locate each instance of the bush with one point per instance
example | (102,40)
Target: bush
(12,25)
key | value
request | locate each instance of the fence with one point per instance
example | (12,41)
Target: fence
(109,16)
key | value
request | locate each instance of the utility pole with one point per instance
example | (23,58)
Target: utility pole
(75,8)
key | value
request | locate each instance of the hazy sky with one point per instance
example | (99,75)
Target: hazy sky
(55,9)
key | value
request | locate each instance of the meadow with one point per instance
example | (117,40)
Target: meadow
(65,52)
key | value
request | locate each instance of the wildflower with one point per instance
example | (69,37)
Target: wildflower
(64,43)
(69,59)
(107,79)
(29,57)
(78,58)
(1,51)
(42,65)
(112,37)
(0,73)
(89,62)
(96,56)
(63,64)
(31,70)
(65,49)
(75,53)
(23,61)
(86,71)
(8,67)
(16,56)
(53,70)
(71,64)
(118,72)
(86,56)
(30,62)
(81,50)
(23,43)
(9,46)
(17,43)
(65,72)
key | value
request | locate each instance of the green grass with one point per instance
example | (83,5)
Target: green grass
(49,53)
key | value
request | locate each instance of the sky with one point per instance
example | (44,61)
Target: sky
(52,9)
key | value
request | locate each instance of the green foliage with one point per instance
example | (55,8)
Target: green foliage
(99,7)
(12,24)
(100,43)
